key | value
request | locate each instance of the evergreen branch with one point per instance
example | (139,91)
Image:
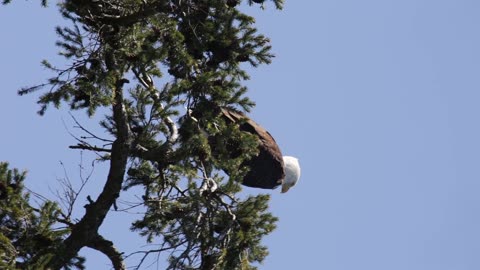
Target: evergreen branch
(88,147)
(147,83)
(43,2)
(227,207)
(172,128)
(128,20)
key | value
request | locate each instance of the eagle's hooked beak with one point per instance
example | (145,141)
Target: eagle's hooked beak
(285,188)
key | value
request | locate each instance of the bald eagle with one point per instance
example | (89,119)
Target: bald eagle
(269,169)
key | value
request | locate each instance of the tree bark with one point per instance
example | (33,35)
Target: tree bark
(106,247)
(85,231)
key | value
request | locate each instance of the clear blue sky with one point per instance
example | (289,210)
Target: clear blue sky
(378,98)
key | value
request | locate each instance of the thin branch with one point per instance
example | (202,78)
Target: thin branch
(37,195)
(83,183)
(146,253)
(140,79)
(129,206)
(78,125)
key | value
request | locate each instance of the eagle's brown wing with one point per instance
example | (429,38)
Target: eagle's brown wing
(267,168)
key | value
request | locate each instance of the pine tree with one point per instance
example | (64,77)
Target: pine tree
(28,235)
(165,69)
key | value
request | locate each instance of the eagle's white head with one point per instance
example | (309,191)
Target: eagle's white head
(292,173)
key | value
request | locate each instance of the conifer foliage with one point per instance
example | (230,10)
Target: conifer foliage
(28,235)
(164,68)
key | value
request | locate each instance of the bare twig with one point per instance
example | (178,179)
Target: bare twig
(78,125)
(146,253)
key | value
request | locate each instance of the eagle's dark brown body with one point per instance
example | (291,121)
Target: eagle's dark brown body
(266,170)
